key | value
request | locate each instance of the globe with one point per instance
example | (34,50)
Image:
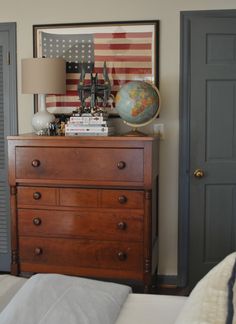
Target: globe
(138,103)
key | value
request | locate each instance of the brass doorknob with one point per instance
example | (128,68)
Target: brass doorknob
(198,173)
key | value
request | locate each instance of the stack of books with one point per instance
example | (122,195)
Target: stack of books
(89,125)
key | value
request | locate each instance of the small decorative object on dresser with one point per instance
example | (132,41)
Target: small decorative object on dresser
(138,104)
(89,125)
(84,206)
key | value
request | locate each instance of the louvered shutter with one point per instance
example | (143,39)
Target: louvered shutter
(4,196)
(7,127)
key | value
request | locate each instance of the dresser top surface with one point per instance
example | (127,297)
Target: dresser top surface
(32,136)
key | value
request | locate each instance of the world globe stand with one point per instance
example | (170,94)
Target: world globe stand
(138,104)
(134,132)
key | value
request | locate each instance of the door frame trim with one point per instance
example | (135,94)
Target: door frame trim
(184,134)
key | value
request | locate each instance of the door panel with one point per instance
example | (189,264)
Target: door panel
(219,222)
(220,120)
(210,124)
(220,48)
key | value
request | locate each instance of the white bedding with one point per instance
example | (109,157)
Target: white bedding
(137,309)
(151,309)
(55,298)
(212,301)
(9,285)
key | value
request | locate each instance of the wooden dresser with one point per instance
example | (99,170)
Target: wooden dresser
(84,206)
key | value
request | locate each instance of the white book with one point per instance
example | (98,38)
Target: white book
(89,134)
(92,123)
(88,128)
(88,119)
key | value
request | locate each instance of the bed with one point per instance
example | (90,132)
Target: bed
(137,308)
(53,298)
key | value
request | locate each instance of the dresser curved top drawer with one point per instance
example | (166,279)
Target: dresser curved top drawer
(79,164)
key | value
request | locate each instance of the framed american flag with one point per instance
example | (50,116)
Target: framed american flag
(130,51)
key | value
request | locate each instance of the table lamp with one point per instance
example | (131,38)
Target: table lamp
(43,76)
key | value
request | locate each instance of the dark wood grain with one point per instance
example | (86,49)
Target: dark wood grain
(85,206)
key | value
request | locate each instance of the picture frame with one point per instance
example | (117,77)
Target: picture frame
(130,50)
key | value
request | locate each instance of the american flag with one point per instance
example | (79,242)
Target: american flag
(128,56)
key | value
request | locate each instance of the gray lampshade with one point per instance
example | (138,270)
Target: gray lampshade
(43,75)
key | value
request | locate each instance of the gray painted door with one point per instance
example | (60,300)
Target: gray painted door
(212,206)
(7,127)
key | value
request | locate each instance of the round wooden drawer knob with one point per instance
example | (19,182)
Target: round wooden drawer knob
(121,165)
(37,221)
(37,195)
(121,226)
(38,251)
(35,163)
(122,256)
(122,199)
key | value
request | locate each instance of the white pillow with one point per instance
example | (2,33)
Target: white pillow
(208,302)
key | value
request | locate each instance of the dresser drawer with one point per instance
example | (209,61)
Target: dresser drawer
(81,164)
(36,196)
(98,225)
(81,253)
(78,197)
(122,199)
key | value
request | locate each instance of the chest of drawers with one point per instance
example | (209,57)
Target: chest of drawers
(84,206)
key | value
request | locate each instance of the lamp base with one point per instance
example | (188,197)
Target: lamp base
(41,121)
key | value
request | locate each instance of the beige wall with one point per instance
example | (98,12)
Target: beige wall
(29,12)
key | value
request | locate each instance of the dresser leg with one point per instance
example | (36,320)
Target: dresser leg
(14,263)
(146,289)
